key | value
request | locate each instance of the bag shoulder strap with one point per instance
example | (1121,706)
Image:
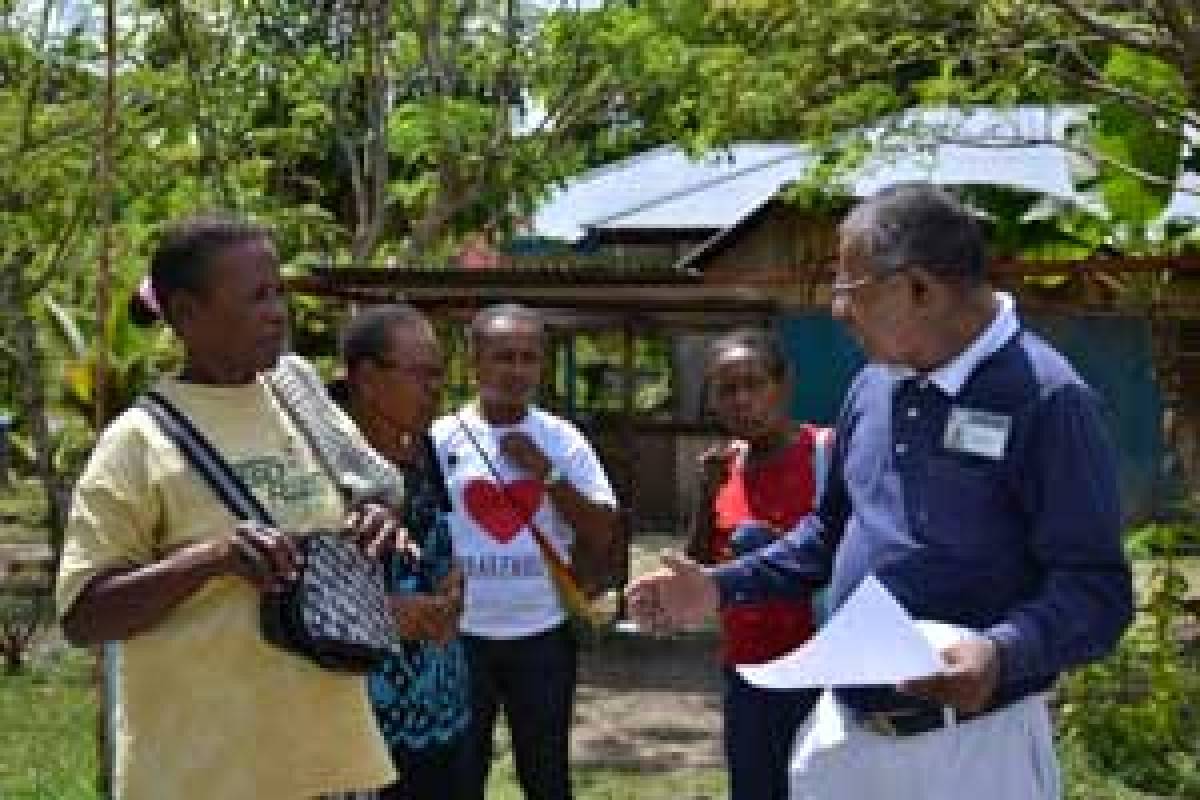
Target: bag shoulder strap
(491,468)
(204,458)
(543,541)
(355,468)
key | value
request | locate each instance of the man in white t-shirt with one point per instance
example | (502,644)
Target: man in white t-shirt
(516,474)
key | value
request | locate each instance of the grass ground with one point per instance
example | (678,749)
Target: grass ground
(47,722)
(47,751)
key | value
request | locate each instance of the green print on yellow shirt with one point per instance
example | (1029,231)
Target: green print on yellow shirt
(283,483)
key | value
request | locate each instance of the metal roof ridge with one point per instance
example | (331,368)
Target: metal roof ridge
(707,183)
(616,166)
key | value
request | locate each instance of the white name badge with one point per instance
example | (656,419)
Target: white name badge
(978,433)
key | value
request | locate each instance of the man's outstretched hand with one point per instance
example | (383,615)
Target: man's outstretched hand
(677,595)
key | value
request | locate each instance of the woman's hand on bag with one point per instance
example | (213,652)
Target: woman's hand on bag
(451,587)
(379,529)
(423,617)
(264,556)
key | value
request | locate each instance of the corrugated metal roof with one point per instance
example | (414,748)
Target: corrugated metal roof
(1185,203)
(661,175)
(665,189)
(712,203)
(981,146)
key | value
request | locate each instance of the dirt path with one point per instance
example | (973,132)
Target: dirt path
(649,703)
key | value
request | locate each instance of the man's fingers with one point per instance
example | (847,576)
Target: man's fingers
(676,562)
(929,688)
(649,600)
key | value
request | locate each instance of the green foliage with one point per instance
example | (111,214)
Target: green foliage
(1083,780)
(598,375)
(1134,715)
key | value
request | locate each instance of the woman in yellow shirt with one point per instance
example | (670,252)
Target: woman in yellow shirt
(159,570)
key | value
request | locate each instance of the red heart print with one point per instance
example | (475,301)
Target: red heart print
(502,517)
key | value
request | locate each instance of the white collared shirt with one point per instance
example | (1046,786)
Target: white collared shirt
(951,376)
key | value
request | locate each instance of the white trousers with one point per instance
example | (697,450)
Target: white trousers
(1005,755)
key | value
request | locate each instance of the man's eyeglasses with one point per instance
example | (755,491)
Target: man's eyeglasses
(848,286)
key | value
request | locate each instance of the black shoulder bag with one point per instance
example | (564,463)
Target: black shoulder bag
(336,612)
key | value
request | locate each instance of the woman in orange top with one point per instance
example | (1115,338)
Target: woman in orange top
(754,489)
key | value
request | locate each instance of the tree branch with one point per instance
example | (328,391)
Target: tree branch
(1115,33)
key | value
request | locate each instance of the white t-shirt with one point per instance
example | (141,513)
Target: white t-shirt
(509,591)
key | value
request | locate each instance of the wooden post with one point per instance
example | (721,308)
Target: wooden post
(106,186)
(628,447)
(572,372)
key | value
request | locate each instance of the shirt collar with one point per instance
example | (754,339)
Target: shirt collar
(953,375)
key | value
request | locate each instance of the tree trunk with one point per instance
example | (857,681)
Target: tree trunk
(13,663)
(33,397)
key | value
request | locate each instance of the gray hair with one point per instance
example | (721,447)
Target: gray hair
(486,319)
(365,336)
(916,225)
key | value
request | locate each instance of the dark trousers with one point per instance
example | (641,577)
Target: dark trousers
(430,773)
(760,725)
(533,680)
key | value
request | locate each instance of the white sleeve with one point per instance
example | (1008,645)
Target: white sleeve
(579,463)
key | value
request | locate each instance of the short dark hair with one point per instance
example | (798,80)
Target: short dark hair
(763,344)
(186,250)
(917,225)
(482,324)
(365,336)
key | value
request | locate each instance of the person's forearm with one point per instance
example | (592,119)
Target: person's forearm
(120,604)
(595,522)
(1078,618)
(794,565)
(700,524)
(1085,600)
(699,538)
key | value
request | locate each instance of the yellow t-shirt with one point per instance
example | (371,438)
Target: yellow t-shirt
(204,706)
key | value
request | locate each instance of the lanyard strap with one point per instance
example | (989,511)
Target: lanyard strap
(543,541)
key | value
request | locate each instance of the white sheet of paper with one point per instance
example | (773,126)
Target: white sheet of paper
(870,641)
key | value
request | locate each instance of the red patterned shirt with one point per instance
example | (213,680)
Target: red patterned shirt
(774,494)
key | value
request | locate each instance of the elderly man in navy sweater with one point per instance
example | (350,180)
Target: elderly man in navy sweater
(972,475)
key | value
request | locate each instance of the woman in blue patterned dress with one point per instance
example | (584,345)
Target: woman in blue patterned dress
(394,375)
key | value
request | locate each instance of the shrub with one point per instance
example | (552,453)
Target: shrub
(1135,715)
(23,615)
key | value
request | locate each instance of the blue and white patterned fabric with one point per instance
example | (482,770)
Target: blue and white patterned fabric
(420,699)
